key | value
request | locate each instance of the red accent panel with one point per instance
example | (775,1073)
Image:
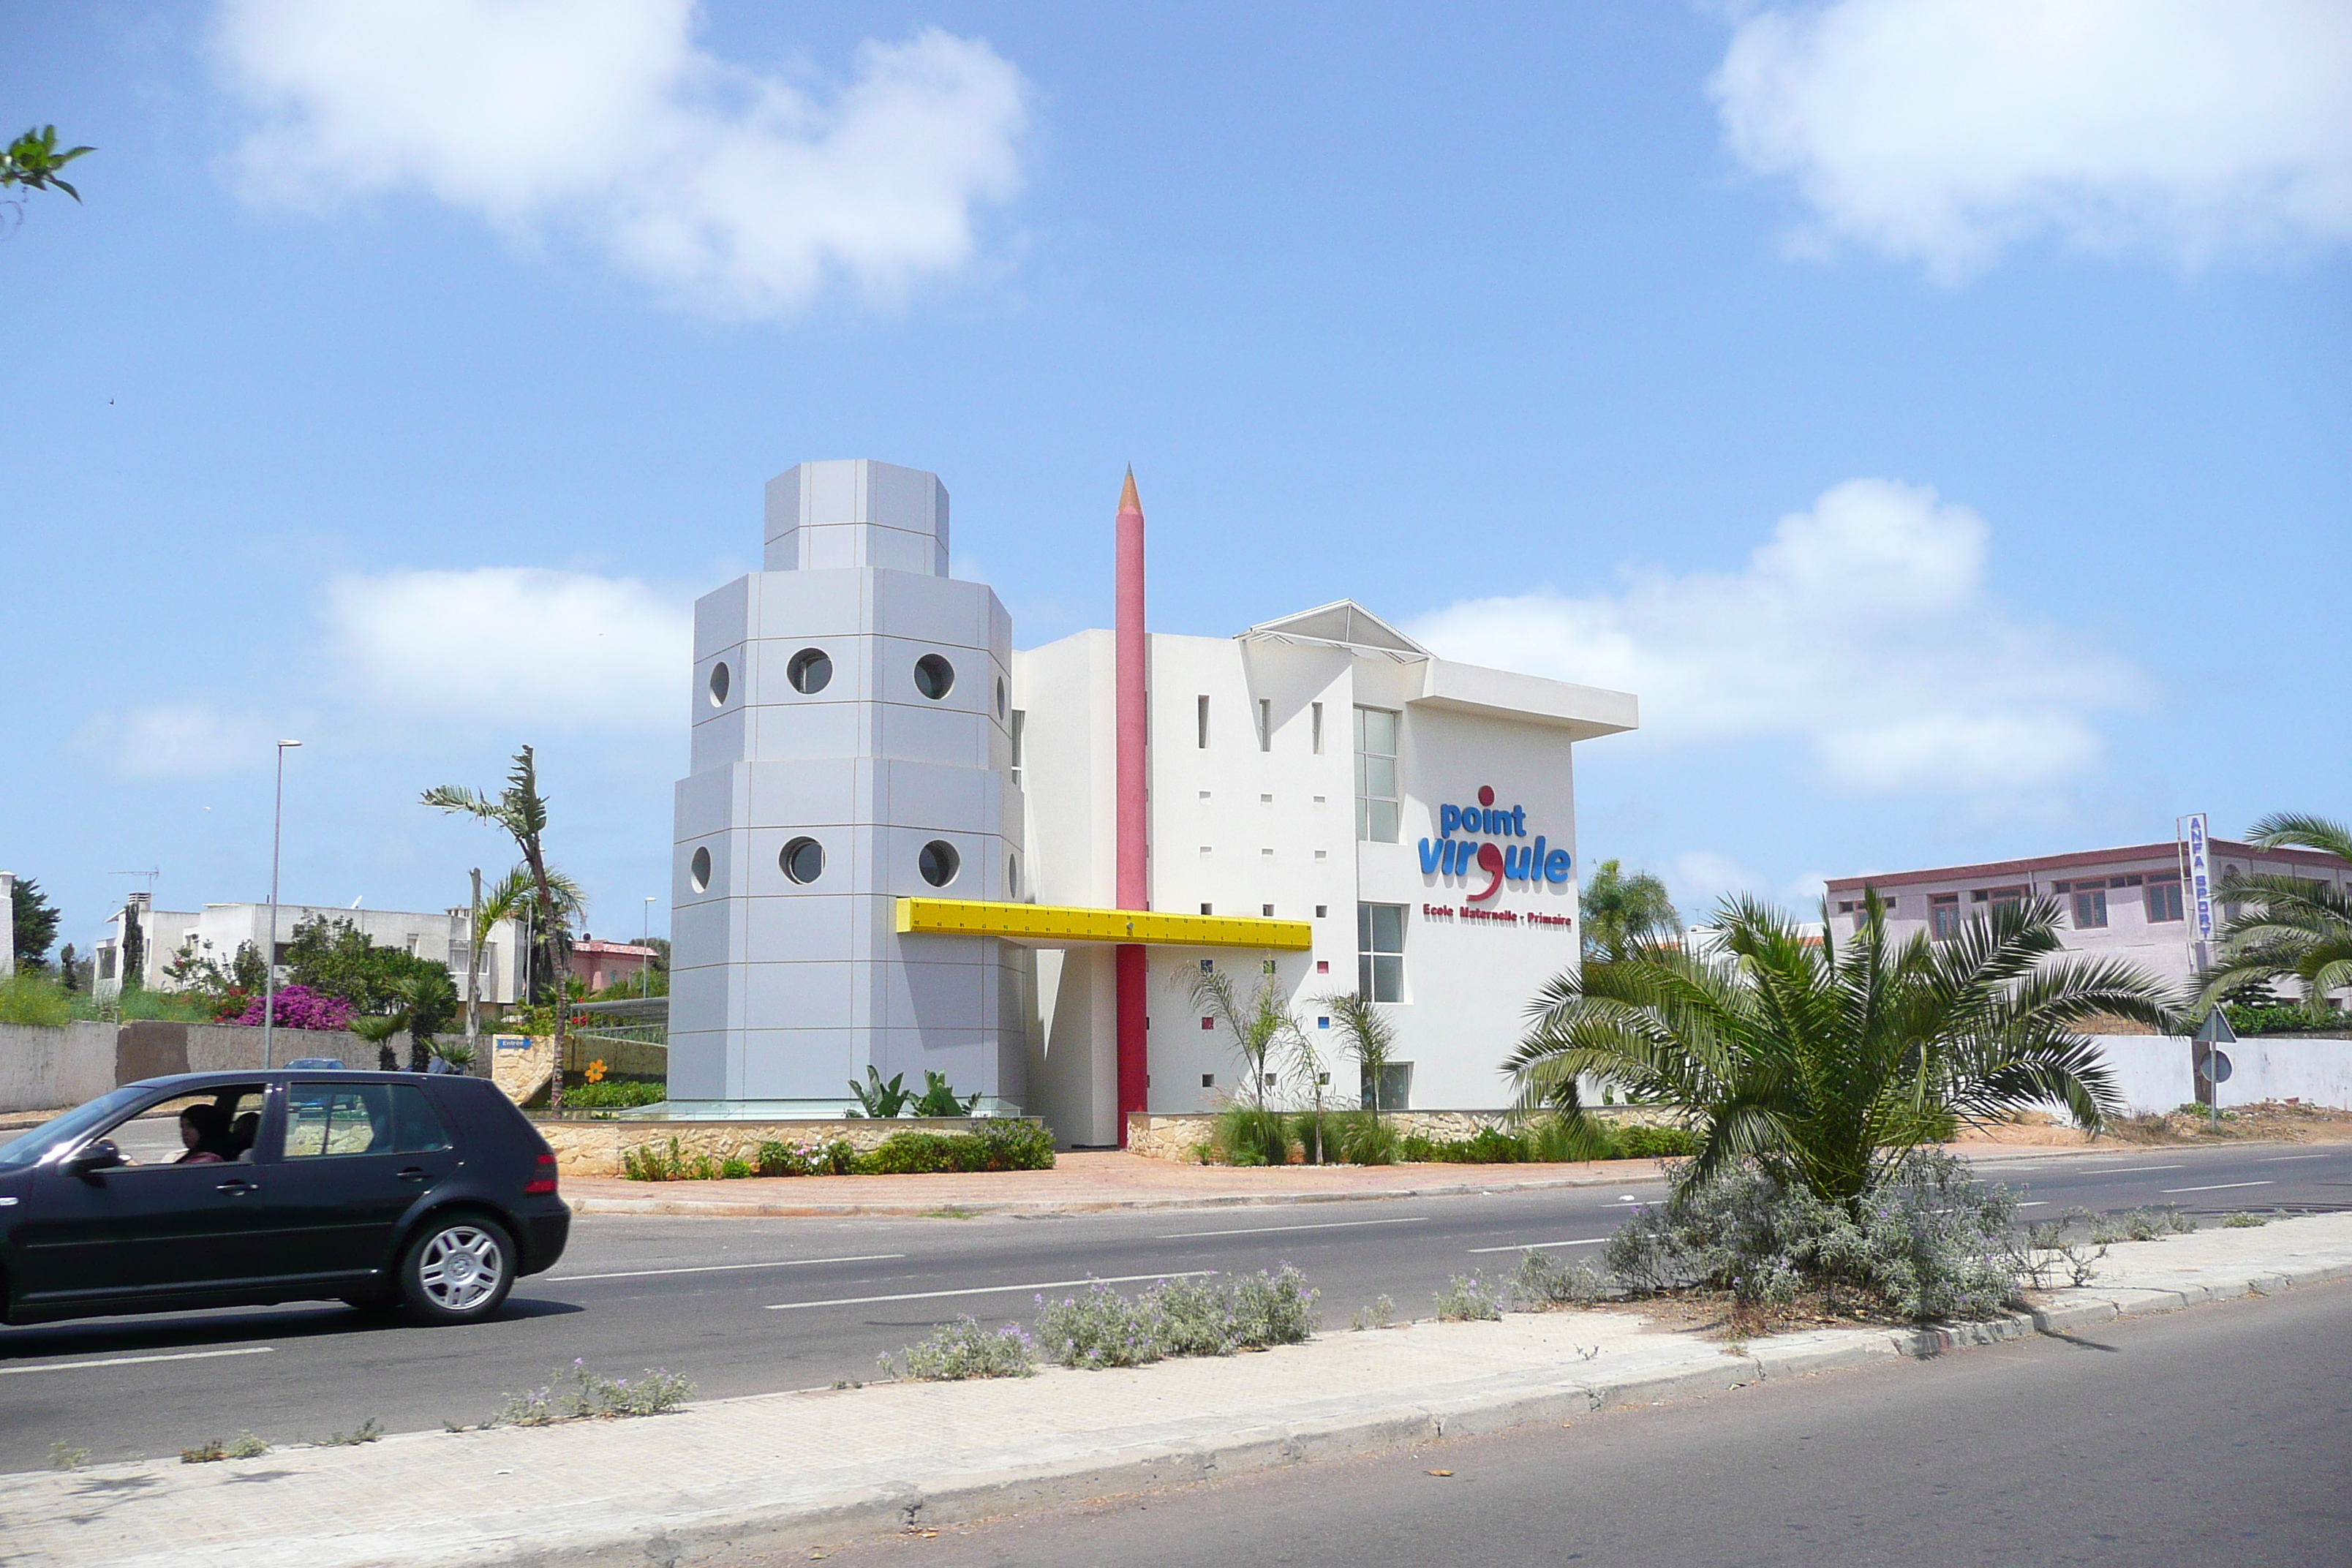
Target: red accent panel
(1134,1060)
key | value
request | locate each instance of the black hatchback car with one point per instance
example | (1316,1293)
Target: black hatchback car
(243,1189)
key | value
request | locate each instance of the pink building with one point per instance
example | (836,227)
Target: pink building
(598,964)
(2124,903)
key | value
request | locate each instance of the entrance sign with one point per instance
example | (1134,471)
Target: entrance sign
(2201,886)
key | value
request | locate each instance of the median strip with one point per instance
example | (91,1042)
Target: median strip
(725,1268)
(992,1289)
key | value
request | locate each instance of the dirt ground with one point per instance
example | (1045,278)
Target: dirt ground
(2282,1121)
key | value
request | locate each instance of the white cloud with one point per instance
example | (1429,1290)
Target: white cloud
(735,192)
(1943,130)
(1862,626)
(1700,877)
(192,742)
(517,645)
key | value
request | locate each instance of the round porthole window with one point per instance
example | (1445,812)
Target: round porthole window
(1000,697)
(719,682)
(1011,878)
(698,870)
(809,671)
(934,677)
(940,862)
(803,860)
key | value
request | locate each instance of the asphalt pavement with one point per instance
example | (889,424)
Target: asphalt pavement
(748,1306)
(2211,1436)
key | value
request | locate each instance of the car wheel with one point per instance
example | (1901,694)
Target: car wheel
(457,1270)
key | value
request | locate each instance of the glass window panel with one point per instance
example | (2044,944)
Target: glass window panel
(416,1126)
(1388,978)
(324,1119)
(1381,821)
(1380,777)
(1380,730)
(1388,928)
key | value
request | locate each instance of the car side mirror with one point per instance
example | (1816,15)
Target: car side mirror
(92,1157)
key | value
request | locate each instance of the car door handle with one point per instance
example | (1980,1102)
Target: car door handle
(237,1185)
(415,1174)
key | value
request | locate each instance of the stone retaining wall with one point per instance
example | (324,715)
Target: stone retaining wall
(1181,1135)
(594,1148)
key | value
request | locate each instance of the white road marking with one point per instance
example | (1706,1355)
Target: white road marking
(2127,1170)
(988,1290)
(133,1359)
(1272,1229)
(2036,1204)
(1537,1245)
(2218,1186)
(2283,1159)
(725,1268)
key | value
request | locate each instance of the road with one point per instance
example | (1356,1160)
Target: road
(749,1306)
(2212,1436)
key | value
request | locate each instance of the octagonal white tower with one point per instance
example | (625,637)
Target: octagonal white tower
(852,744)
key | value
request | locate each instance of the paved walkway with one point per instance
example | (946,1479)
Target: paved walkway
(1096,1181)
(779,1471)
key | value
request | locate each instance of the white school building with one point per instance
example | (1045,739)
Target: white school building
(904,845)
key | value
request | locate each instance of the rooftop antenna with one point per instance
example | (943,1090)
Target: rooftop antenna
(151,874)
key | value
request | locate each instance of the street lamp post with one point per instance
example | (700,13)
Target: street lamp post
(269,959)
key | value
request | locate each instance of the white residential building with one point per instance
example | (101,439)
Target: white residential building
(218,931)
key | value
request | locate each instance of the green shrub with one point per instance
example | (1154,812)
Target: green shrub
(1488,1146)
(612,1094)
(1468,1297)
(733,1170)
(2280,1018)
(1637,1142)
(27,997)
(651,1162)
(1554,1140)
(963,1348)
(1930,1241)
(2242,1221)
(834,1159)
(1101,1328)
(1361,1137)
(993,1145)
(1247,1136)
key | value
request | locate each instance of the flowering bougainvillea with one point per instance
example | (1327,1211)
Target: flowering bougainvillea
(300,1008)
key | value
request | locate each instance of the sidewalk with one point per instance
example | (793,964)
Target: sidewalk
(776,1472)
(1100,1181)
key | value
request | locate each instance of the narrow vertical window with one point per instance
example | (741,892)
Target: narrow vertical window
(1376,775)
(1266,723)
(1204,724)
(1380,952)
(1020,724)
(1315,718)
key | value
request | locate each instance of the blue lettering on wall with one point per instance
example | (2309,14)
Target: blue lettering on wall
(1446,856)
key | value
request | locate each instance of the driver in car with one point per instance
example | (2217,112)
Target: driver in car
(205,1130)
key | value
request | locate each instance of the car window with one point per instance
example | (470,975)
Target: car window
(195,1128)
(417,1126)
(324,1119)
(27,1148)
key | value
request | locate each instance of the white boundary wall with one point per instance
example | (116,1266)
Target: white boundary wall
(2152,1070)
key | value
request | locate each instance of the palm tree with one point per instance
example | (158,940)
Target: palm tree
(1829,1064)
(1259,1023)
(1621,912)
(2294,928)
(515,897)
(1366,1036)
(522,811)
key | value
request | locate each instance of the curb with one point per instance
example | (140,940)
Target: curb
(728,1208)
(749,1527)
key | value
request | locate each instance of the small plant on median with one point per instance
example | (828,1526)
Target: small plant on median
(963,1348)
(578,1395)
(2142,1224)
(1542,1281)
(210,1451)
(2245,1221)
(248,1446)
(64,1455)
(2046,1252)
(1380,1315)
(1177,1318)
(1468,1298)
(1926,1241)
(368,1431)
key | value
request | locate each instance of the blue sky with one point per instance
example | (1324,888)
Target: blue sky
(1941,416)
